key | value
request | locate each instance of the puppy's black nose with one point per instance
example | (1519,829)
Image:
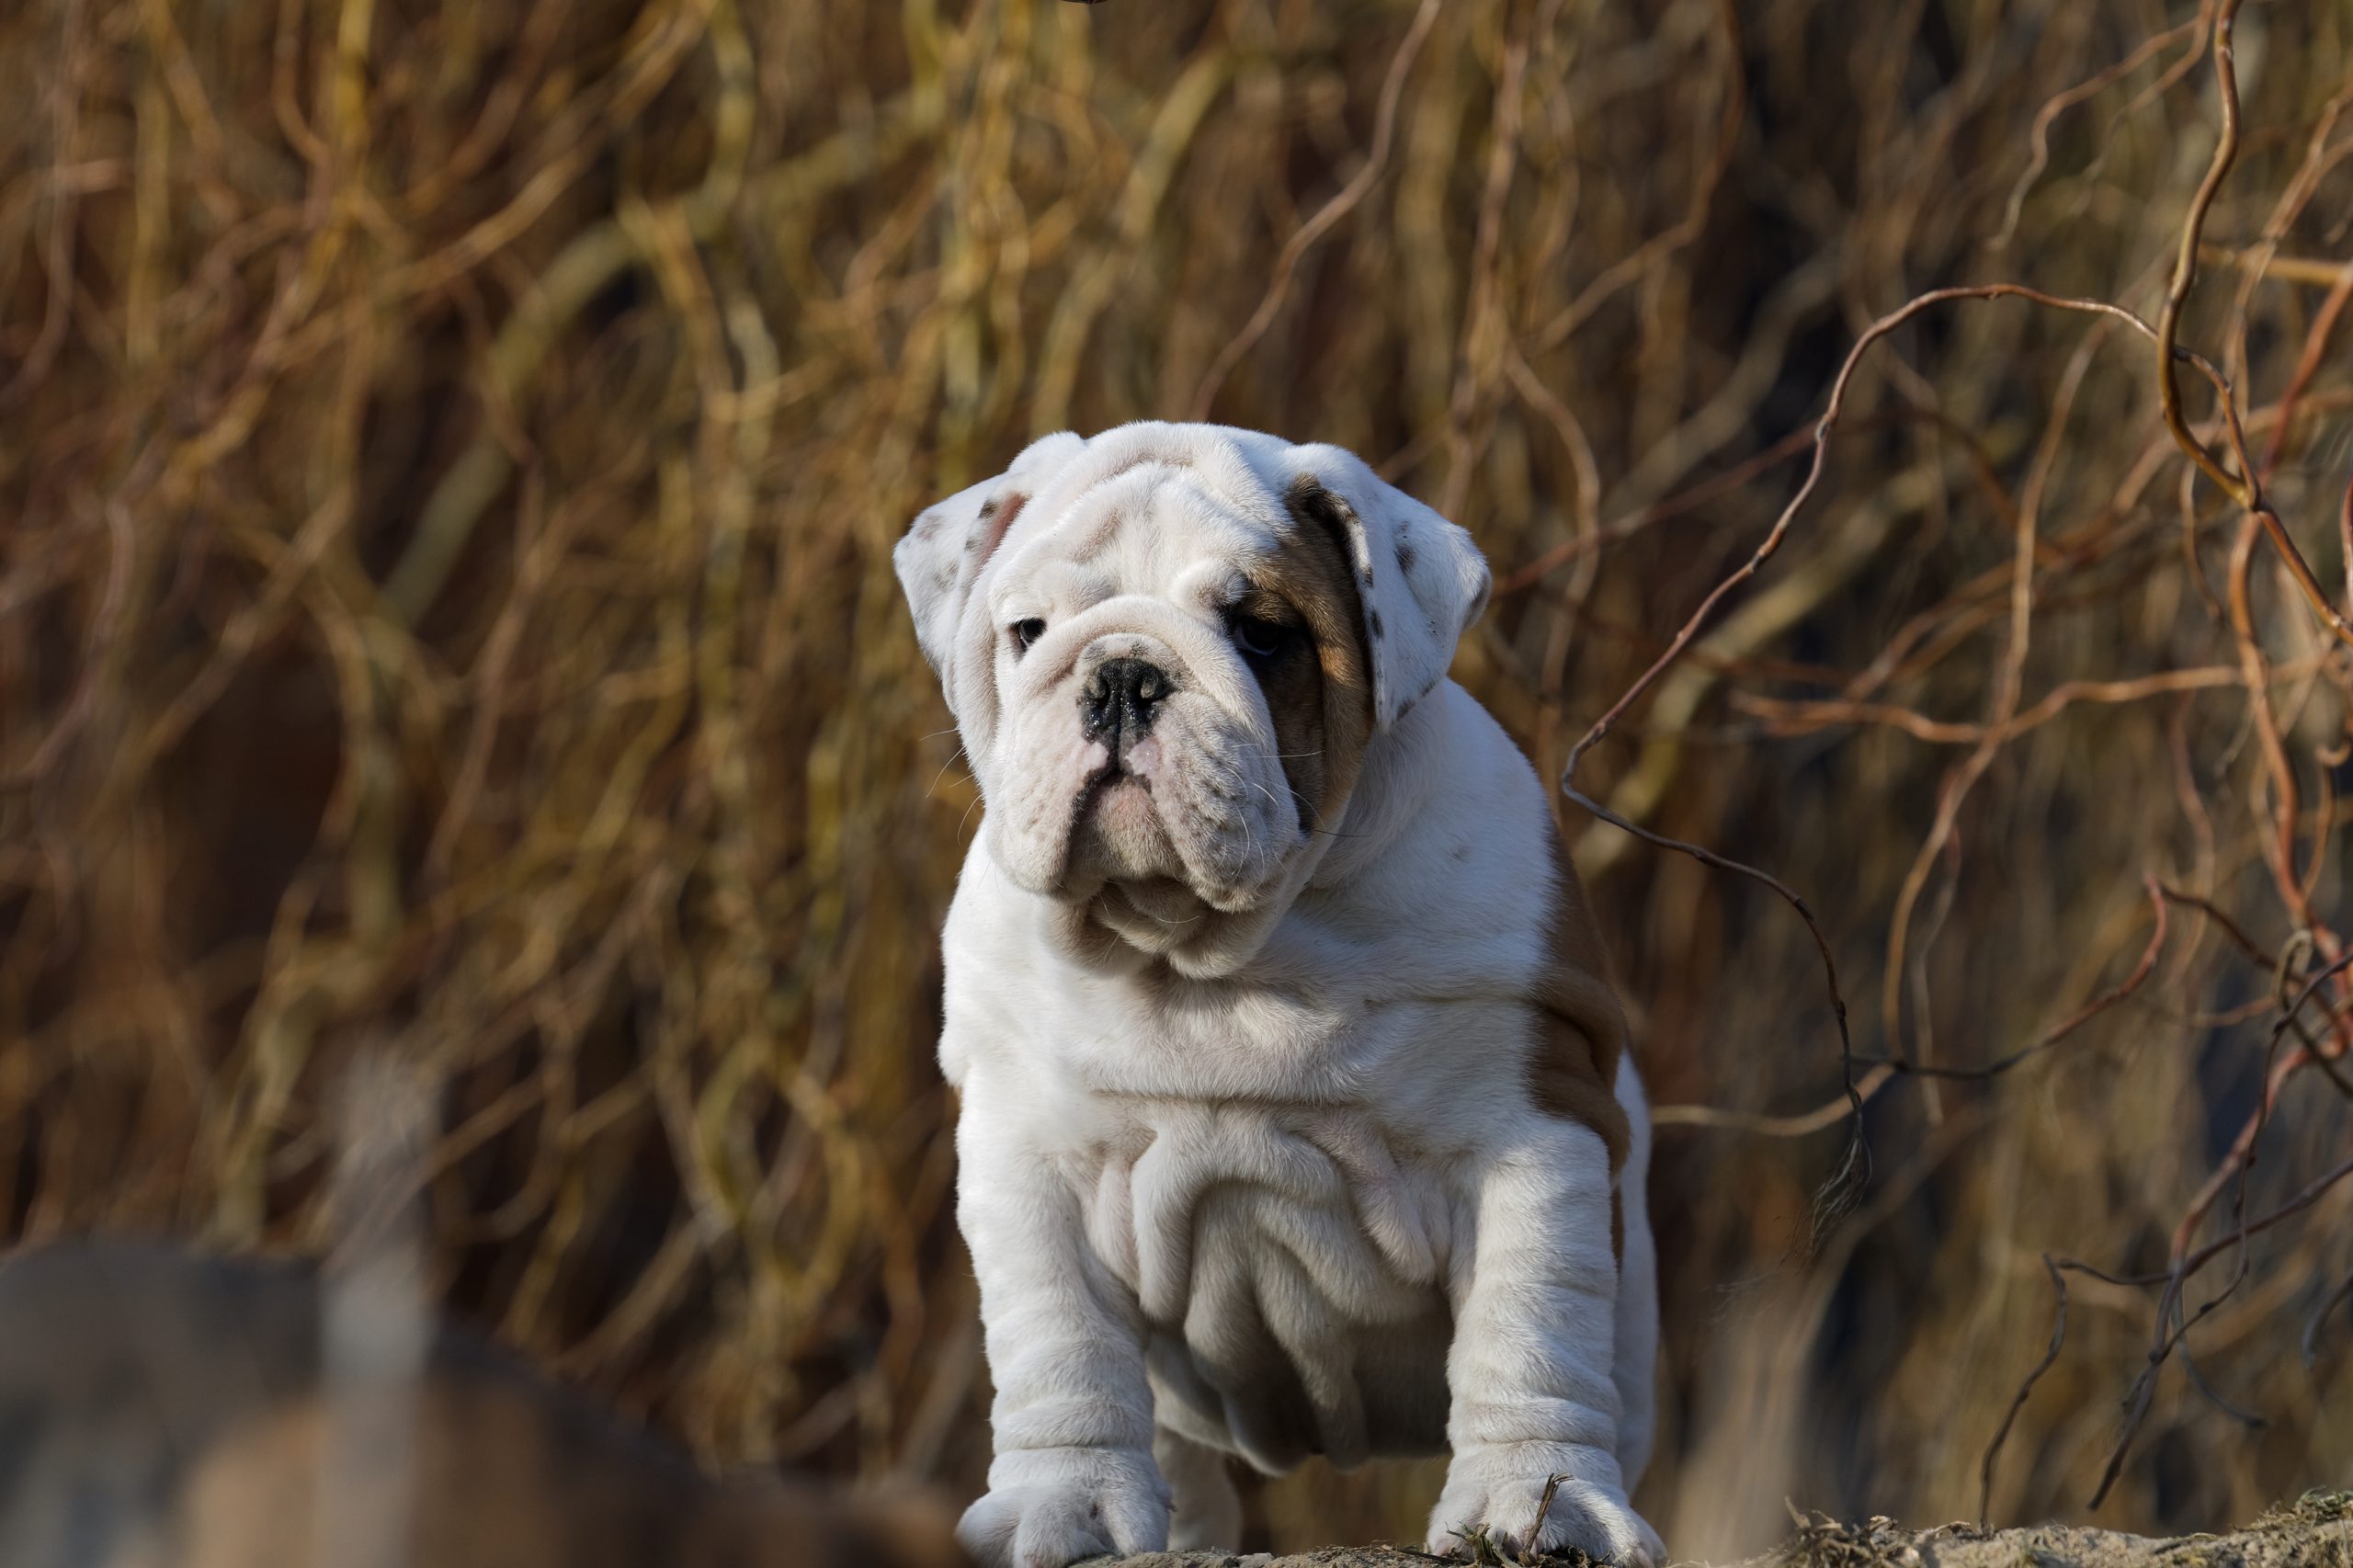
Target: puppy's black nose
(1118,700)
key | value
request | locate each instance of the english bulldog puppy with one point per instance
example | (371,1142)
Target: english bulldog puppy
(1295,1116)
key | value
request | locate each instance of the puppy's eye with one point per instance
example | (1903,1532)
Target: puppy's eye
(1261,639)
(1026,633)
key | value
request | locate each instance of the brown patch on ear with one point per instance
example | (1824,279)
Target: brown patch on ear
(1320,696)
(996,516)
(1580,1029)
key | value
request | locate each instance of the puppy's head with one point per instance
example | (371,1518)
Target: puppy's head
(1167,649)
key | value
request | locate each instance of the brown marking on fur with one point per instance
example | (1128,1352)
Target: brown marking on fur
(1580,1028)
(1308,497)
(998,514)
(1320,694)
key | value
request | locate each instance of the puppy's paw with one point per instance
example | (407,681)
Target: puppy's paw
(1049,1507)
(1498,1492)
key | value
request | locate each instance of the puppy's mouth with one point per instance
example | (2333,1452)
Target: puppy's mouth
(1116,818)
(1124,865)
(1105,781)
(1117,834)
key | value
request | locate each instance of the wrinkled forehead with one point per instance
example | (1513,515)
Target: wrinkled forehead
(1156,527)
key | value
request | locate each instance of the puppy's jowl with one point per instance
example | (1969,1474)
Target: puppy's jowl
(1295,1112)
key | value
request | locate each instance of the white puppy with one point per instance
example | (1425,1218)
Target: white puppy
(1295,1112)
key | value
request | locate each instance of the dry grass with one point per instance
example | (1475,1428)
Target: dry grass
(449,455)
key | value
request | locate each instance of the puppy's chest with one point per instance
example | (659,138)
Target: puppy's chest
(1191,1201)
(1246,1143)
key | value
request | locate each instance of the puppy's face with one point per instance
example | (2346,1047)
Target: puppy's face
(1167,652)
(1183,695)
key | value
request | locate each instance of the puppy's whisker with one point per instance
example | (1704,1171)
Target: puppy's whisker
(954,757)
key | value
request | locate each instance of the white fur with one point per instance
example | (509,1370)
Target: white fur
(1257,1170)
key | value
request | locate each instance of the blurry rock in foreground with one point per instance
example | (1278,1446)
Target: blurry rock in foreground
(163,1411)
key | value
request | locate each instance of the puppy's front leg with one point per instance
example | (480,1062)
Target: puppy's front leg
(1529,1371)
(1074,1475)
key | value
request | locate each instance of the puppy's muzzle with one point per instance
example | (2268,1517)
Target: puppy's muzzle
(1117,704)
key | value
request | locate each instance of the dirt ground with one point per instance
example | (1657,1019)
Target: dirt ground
(2316,1531)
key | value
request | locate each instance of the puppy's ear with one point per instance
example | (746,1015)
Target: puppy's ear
(1422,579)
(947,545)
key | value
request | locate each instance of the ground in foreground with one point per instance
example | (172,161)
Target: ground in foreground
(2314,1533)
